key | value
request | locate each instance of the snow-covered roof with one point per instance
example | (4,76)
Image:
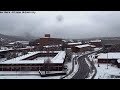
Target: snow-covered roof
(12,43)
(64,40)
(81,46)
(21,57)
(5,50)
(23,42)
(52,46)
(92,45)
(16,49)
(2,50)
(59,58)
(74,43)
(115,55)
(95,41)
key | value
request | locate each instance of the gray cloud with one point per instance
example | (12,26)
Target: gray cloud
(75,24)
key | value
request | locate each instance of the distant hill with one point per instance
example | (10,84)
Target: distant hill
(8,38)
(101,38)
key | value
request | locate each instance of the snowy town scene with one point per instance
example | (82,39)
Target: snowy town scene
(60,45)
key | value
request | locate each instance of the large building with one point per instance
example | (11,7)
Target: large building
(35,61)
(47,40)
(52,43)
(82,48)
(112,57)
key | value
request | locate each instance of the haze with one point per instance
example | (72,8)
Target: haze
(72,24)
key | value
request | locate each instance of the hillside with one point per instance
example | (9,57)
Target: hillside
(7,38)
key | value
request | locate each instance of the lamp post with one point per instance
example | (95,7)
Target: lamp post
(107,58)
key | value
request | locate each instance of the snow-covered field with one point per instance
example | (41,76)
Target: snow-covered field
(103,72)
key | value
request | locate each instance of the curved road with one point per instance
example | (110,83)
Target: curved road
(84,70)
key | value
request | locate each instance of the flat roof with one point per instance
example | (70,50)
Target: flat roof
(47,46)
(59,58)
(111,55)
(74,43)
(95,41)
(81,46)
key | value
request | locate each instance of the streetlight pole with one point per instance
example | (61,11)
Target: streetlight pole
(107,59)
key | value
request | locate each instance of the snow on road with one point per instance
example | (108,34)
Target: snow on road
(76,66)
(88,63)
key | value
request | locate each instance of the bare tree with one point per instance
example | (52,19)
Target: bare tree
(68,54)
(47,65)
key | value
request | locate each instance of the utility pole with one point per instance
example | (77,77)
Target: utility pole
(107,58)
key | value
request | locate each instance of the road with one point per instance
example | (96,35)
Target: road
(84,70)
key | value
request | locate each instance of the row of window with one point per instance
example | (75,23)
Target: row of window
(19,68)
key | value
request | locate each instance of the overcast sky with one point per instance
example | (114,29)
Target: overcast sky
(74,24)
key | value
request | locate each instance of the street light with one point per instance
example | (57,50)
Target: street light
(107,58)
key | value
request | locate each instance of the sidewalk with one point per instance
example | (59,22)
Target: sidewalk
(73,66)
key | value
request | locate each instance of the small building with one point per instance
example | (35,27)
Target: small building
(73,44)
(96,43)
(109,57)
(82,48)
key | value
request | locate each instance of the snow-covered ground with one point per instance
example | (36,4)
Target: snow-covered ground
(92,58)
(3,59)
(76,66)
(103,72)
(69,67)
(93,72)
(69,64)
